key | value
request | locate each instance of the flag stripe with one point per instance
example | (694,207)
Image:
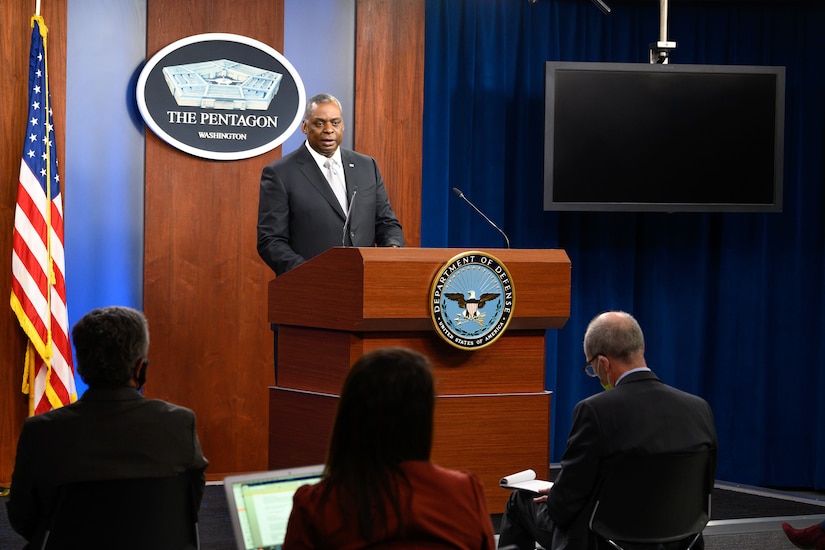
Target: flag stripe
(34,209)
(23,303)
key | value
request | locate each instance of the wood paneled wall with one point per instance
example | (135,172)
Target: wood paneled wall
(204,285)
(389,100)
(15,43)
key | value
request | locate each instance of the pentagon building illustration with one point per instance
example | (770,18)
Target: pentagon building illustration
(222,84)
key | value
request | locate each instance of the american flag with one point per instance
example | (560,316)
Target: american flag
(38,294)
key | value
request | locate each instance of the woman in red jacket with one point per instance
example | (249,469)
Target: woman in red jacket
(379,486)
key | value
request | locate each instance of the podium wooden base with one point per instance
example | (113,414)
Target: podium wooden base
(492,414)
(483,434)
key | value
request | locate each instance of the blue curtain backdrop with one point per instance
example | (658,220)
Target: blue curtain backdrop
(731,303)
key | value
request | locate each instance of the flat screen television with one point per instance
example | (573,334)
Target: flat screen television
(663,137)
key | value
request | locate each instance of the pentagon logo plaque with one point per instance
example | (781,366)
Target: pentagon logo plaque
(221,96)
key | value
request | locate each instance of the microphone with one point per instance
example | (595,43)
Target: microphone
(458,192)
(602,6)
(346,219)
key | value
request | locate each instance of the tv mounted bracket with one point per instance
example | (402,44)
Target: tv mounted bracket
(660,50)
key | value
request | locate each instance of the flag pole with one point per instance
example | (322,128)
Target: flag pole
(44,33)
(4,491)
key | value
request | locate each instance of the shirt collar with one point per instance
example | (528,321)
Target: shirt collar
(631,371)
(110,394)
(321,159)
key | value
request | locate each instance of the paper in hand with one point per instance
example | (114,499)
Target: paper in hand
(526,479)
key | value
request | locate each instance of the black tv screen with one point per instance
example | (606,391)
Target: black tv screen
(662,137)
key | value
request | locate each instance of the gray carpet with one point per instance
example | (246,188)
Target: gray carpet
(751,541)
(750,518)
(742,518)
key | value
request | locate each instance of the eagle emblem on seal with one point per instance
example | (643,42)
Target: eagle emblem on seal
(471,304)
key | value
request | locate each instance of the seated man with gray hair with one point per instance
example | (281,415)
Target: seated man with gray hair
(639,415)
(112,432)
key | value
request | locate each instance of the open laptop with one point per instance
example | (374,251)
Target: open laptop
(260,503)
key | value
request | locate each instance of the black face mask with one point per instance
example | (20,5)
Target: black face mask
(141,377)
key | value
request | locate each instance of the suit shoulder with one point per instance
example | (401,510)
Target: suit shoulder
(166,407)
(687,396)
(349,154)
(54,415)
(299,155)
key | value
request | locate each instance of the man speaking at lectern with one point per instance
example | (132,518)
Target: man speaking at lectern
(321,196)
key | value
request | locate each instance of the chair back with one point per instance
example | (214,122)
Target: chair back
(655,498)
(156,513)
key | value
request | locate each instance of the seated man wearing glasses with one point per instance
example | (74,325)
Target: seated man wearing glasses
(639,414)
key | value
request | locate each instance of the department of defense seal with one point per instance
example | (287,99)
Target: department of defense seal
(471,300)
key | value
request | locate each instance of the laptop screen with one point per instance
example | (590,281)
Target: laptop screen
(260,503)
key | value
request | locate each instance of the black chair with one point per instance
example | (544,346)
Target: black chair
(127,514)
(655,499)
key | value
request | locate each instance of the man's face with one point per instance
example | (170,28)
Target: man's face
(324,127)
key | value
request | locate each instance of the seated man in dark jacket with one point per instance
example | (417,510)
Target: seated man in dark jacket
(111,432)
(640,414)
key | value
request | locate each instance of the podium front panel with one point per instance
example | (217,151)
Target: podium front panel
(318,360)
(387,289)
(488,435)
(493,436)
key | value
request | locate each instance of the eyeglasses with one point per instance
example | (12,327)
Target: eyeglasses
(588,368)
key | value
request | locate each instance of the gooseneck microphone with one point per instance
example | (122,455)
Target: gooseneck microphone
(602,6)
(346,219)
(458,192)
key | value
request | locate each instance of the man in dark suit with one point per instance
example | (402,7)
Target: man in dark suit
(111,432)
(299,214)
(640,414)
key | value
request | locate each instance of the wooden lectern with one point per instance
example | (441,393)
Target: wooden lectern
(492,412)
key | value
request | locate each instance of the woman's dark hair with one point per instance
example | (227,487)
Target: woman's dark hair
(109,343)
(385,416)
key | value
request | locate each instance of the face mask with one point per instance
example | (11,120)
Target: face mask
(607,386)
(141,377)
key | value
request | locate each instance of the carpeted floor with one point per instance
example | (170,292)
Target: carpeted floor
(735,520)
(731,502)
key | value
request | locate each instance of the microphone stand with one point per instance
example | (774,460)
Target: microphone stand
(346,218)
(458,192)
(602,6)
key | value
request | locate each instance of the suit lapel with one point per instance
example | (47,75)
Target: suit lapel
(316,178)
(349,172)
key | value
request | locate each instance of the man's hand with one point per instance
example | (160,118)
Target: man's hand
(542,495)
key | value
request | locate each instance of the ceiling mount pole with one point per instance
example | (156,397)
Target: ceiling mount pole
(660,50)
